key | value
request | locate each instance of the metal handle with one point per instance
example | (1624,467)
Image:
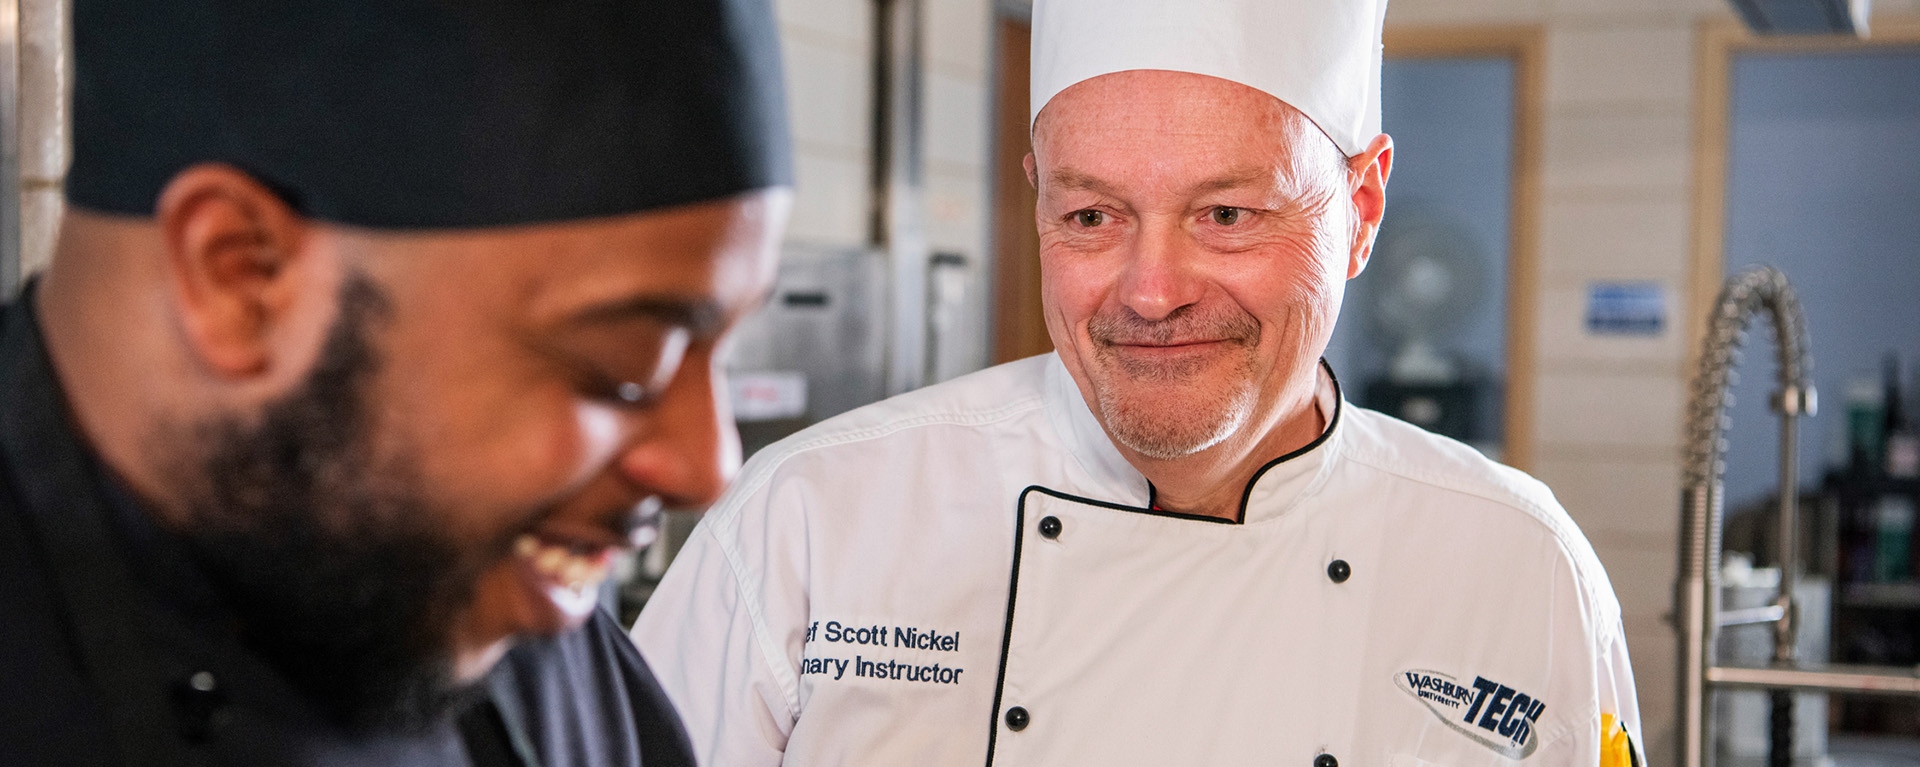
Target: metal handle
(1859,680)
(1753,291)
(1697,593)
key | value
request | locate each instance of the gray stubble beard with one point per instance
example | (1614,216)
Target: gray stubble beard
(1169,436)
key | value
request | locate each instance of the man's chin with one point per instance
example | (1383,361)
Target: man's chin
(515,599)
(1163,422)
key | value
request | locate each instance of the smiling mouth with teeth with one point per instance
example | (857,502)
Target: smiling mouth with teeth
(579,569)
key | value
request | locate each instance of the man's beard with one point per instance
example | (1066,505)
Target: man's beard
(330,556)
(1163,424)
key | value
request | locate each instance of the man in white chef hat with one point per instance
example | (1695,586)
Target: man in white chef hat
(1170,542)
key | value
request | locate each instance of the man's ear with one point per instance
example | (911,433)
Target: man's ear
(1367,174)
(1033,175)
(231,247)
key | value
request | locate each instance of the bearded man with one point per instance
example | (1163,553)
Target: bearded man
(1170,542)
(376,329)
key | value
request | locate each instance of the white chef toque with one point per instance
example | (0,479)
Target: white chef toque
(1322,57)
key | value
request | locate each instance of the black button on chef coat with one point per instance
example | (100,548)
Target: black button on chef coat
(115,650)
(1017,718)
(1050,528)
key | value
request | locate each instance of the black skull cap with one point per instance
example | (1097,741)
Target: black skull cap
(430,114)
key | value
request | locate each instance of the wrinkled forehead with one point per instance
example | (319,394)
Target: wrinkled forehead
(1143,114)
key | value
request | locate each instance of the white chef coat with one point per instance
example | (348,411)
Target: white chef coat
(972,574)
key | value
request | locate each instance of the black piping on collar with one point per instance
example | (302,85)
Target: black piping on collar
(1013,577)
(1339,405)
(1019,538)
(1013,589)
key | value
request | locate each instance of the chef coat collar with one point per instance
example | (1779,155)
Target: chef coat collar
(1276,488)
(1286,481)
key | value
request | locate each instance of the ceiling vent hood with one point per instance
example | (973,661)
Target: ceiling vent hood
(1804,17)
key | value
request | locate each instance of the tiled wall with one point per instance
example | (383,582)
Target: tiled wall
(828,49)
(46,76)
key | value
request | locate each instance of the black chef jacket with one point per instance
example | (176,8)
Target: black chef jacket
(115,650)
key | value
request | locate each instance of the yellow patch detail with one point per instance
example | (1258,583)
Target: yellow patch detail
(1616,747)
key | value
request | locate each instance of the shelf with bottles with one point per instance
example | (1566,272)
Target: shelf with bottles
(1876,566)
(1874,498)
(1882,443)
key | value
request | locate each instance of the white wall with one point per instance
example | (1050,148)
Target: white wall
(828,47)
(46,92)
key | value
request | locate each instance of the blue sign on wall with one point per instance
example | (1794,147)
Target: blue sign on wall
(1626,308)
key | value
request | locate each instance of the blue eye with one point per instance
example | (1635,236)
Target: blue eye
(630,392)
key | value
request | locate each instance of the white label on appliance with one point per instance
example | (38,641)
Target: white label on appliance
(769,395)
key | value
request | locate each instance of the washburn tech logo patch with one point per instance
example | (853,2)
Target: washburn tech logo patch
(1492,714)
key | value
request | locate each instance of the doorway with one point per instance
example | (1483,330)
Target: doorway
(1438,330)
(1018,329)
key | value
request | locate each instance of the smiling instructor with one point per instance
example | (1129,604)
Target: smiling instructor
(1172,541)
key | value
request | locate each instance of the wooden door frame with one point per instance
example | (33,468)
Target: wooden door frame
(1718,41)
(1525,46)
(1018,329)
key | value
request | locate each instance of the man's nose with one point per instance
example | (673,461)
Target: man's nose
(688,449)
(1161,273)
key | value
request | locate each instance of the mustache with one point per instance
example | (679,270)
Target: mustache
(1188,324)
